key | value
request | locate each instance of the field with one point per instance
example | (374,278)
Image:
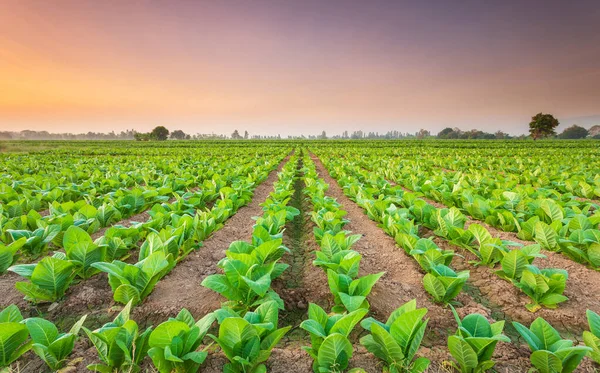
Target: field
(267,245)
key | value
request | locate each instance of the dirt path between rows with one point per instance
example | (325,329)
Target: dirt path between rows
(583,284)
(9,279)
(403,282)
(181,287)
(302,283)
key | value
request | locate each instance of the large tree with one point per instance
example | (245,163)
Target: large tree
(160,133)
(574,132)
(178,135)
(542,125)
(445,133)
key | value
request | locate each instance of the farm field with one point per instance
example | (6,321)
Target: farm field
(290,256)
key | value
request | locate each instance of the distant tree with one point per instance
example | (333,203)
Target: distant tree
(423,133)
(159,133)
(542,125)
(323,135)
(236,135)
(500,135)
(178,135)
(443,134)
(594,131)
(574,132)
(246,135)
(139,136)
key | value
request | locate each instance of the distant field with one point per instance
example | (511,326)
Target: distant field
(506,229)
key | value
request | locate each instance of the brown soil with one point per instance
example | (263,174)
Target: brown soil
(181,287)
(485,293)
(94,296)
(509,302)
(403,282)
(302,283)
(583,284)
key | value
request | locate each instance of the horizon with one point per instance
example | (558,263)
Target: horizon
(295,68)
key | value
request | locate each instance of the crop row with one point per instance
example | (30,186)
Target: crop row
(248,320)
(51,229)
(566,226)
(396,341)
(174,230)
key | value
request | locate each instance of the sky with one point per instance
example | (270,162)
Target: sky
(297,67)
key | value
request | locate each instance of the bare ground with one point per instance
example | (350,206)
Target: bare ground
(94,296)
(583,285)
(181,287)
(403,282)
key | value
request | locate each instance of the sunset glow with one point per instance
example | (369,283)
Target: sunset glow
(295,67)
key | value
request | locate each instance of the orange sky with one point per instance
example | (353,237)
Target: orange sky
(301,67)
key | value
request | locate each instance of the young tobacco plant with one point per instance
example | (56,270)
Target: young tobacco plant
(82,251)
(52,346)
(335,254)
(249,270)
(474,342)
(489,250)
(545,287)
(13,336)
(8,253)
(550,353)
(35,241)
(330,347)
(444,284)
(247,342)
(49,278)
(174,343)
(351,294)
(134,282)
(397,341)
(592,337)
(120,345)
(516,261)
(424,251)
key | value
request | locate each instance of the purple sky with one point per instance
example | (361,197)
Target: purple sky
(294,67)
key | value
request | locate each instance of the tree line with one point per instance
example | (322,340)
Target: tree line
(541,126)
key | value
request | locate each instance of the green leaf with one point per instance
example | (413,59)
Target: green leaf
(546,362)
(41,331)
(335,351)
(462,352)
(163,335)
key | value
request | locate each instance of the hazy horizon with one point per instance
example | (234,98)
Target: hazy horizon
(293,68)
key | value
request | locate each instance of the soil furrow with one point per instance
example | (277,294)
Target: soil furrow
(583,283)
(302,283)
(181,287)
(9,279)
(403,278)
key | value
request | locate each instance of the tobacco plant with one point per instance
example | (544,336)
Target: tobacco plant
(330,347)
(397,341)
(13,336)
(474,342)
(174,343)
(247,342)
(549,352)
(52,346)
(120,345)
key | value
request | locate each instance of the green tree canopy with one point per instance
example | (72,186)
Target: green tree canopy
(542,125)
(160,133)
(178,135)
(574,132)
